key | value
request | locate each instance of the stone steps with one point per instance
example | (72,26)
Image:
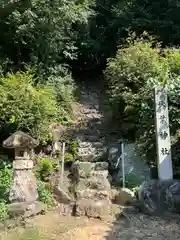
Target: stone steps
(91,142)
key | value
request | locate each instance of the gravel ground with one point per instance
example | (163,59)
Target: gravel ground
(130,227)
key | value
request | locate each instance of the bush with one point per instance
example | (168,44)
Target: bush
(45,193)
(3,211)
(131,77)
(31,109)
(36,106)
(44,168)
(6,174)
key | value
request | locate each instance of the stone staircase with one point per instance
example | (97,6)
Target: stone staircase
(90,136)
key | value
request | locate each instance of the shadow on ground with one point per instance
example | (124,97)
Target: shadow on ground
(140,227)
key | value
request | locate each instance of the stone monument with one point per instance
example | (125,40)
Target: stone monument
(23,192)
(164,161)
(162,195)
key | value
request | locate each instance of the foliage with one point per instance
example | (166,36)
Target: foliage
(45,167)
(5,178)
(133,180)
(3,211)
(131,77)
(45,193)
(72,148)
(41,33)
(33,108)
(71,151)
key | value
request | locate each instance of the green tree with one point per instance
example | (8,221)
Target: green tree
(131,77)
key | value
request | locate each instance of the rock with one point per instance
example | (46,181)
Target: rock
(94,194)
(25,209)
(99,183)
(90,208)
(61,194)
(98,174)
(81,169)
(24,187)
(93,182)
(100,166)
(158,197)
(123,196)
(66,209)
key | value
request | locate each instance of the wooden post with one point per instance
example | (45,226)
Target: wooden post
(164,161)
(62,162)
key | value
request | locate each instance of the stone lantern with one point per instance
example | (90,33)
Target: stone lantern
(24,188)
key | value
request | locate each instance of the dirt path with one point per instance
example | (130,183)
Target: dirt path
(135,227)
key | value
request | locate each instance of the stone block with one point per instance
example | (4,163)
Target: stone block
(94,209)
(81,169)
(97,183)
(93,194)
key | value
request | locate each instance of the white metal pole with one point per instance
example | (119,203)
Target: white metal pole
(122,154)
(62,163)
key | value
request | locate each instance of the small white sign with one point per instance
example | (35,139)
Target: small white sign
(165,170)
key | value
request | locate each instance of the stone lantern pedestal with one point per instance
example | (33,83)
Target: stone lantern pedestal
(23,192)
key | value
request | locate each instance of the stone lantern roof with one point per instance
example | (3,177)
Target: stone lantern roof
(20,140)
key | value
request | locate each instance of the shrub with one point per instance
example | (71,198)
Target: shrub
(36,106)
(131,77)
(6,173)
(44,169)
(3,211)
(45,193)
(31,109)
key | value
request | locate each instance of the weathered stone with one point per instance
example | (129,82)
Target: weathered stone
(88,157)
(98,183)
(158,197)
(123,196)
(23,164)
(25,209)
(93,194)
(100,166)
(91,208)
(61,194)
(66,209)
(24,187)
(99,174)
(20,140)
(81,169)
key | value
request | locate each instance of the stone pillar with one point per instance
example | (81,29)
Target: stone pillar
(164,160)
